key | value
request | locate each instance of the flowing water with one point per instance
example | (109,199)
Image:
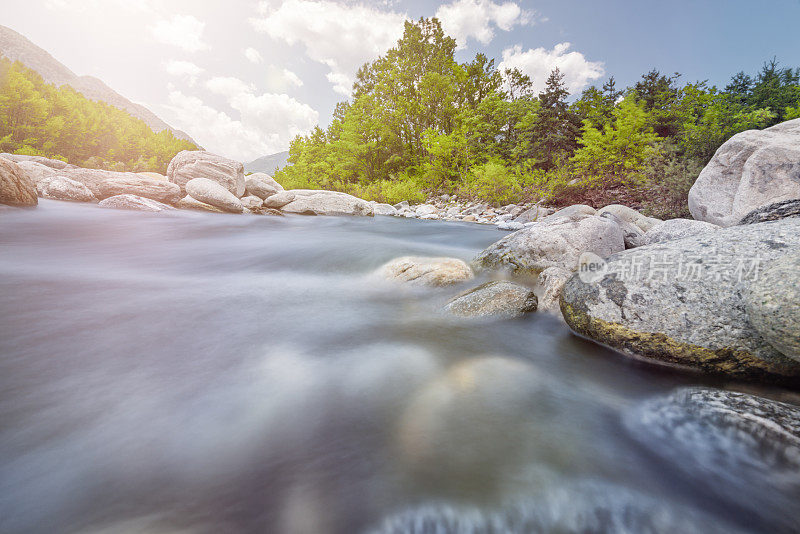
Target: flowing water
(187,372)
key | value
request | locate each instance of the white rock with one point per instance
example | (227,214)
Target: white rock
(252,202)
(318,202)
(63,188)
(190,164)
(677,229)
(133,202)
(213,193)
(383,209)
(262,185)
(630,215)
(426,271)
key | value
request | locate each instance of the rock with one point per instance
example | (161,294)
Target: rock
(142,186)
(92,178)
(533,214)
(773,212)
(497,299)
(56,164)
(319,202)
(731,443)
(37,172)
(426,209)
(632,235)
(576,212)
(16,188)
(189,203)
(553,243)
(510,225)
(214,194)
(429,217)
(190,164)
(383,209)
(751,170)
(402,205)
(63,188)
(279,200)
(677,229)
(469,218)
(261,185)
(426,271)
(551,281)
(266,211)
(631,216)
(153,176)
(772,302)
(681,301)
(252,202)
(133,202)
(476,209)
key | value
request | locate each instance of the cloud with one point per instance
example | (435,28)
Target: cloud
(280,80)
(183,69)
(538,63)
(141,6)
(183,31)
(476,19)
(341,36)
(267,122)
(253,55)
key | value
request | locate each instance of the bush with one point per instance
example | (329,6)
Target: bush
(494,183)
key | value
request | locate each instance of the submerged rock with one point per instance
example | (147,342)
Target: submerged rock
(212,193)
(426,271)
(190,164)
(133,202)
(495,299)
(773,212)
(682,301)
(319,202)
(751,170)
(135,184)
(63,188)
(16,188)
(773,304)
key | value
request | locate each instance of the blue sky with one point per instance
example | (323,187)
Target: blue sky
(244,76)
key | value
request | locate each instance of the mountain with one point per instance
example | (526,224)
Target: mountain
(268,164)
(18,48)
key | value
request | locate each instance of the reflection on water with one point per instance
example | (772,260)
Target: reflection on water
(185,372)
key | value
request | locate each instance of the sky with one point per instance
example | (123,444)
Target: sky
(243,77)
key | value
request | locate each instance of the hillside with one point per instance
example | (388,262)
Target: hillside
(16,47)
(268,164)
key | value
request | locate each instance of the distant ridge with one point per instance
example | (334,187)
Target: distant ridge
(17,47)
(268,164)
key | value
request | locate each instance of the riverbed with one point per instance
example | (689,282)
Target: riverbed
(188,372)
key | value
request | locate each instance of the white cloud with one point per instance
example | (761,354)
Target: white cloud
(183,69)
(141,6)
(267,122)
(253,55)
(183,31)
(476,19)
(538,63)
(280,80)
(341,36)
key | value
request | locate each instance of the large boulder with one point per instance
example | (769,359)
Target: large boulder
(190,164)
(142,186)
(211,192)
(63,188)
(133,202)
(56,164)
(494,299)
(630,215)
(773,304)
(16,188)
(279,200)
(677,229)
(576,212)
(426,271)
(732,444)
(555,242)
(262,185)
(750,170)
(773,212)
(319,202)
(38,172)
(682,301)
(93,178)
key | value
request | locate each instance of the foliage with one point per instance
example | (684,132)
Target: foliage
(40,119)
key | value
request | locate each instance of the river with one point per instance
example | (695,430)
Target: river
(188,372)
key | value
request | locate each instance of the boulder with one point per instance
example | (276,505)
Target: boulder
(551,281)
(632,235)
(261,185)
(189,203)
(510,225)
(153,175)
(681,301)
(496,299)
(751,170)
(318,202)
(16,188)
(426,271)
(63,188)
(732,444)
(773,212)
(133,202)
(772,302)
(469,218)
(630,215)
(37,172)
(426,209)
(279,200)
(252,202)
(190,164)
(142,186)
(575,212)
(553,243)
(211,192)
(92,178)
(533,214)
(56,164)
(384,209)
(677,229)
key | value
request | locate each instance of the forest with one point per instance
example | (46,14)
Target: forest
(420,123)
(37,118)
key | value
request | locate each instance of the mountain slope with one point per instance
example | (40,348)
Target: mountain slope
(268,164)
(16,47)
